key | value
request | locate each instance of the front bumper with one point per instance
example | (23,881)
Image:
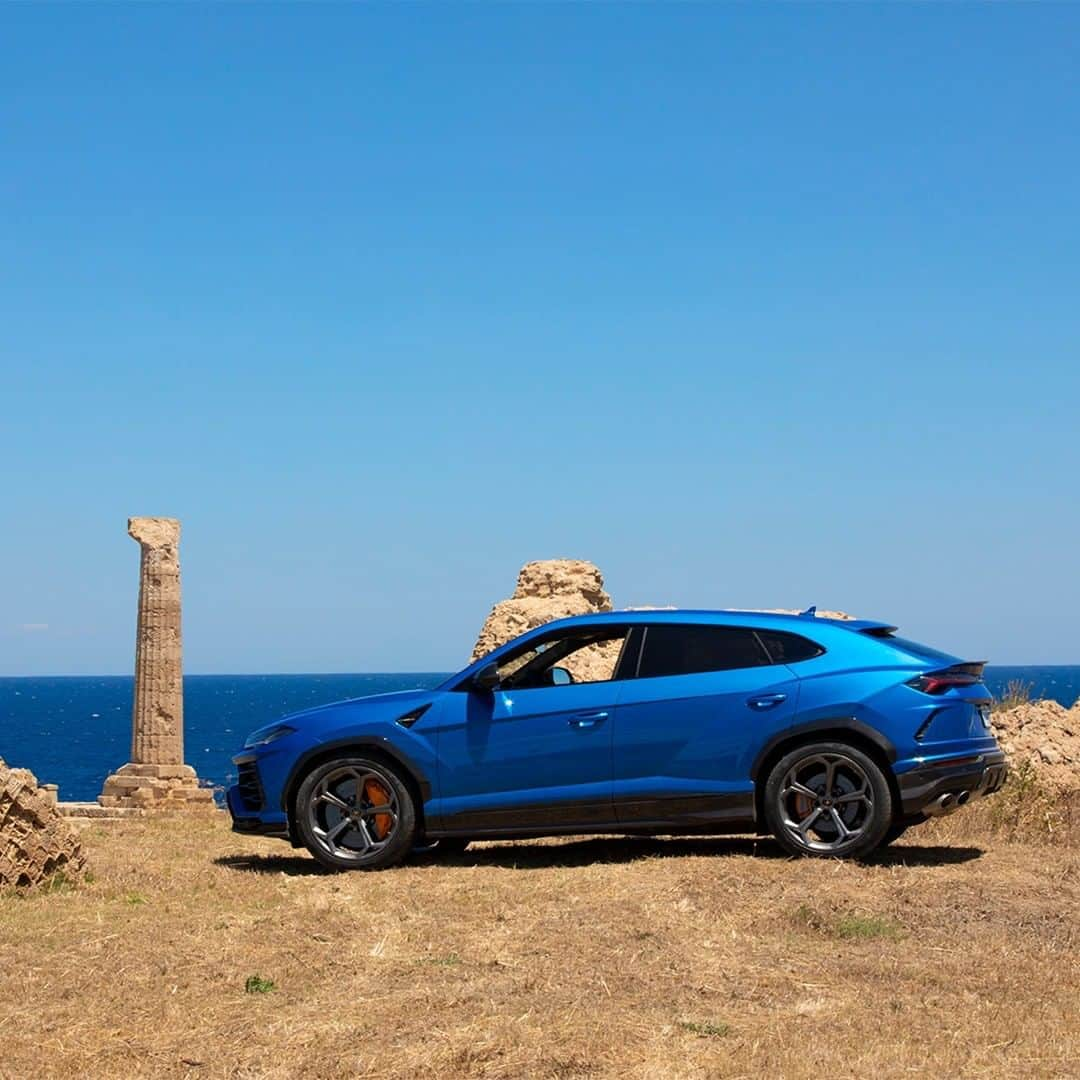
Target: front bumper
(969,777)
(246,822)
(248,805)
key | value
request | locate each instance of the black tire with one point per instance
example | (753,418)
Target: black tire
(337,816)
(847,821)
(894,832)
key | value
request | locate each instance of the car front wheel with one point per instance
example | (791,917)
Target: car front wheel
(828,799)
(355,814)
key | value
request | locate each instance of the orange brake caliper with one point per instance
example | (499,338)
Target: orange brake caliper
(377,795)
(803,806)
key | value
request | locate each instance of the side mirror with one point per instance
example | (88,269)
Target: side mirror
(487,678)
(561,677)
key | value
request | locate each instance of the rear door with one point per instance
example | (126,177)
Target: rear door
(688,726)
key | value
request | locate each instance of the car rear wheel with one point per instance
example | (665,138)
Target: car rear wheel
(828,799)
(355,814)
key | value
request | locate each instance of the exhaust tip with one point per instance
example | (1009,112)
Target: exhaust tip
(963,798)
(946,804)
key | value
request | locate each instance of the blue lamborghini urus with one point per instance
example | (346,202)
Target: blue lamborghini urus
(832,735)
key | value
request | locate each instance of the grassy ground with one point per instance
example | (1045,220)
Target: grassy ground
(194,952)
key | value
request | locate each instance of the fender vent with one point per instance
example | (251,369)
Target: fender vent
(410,718)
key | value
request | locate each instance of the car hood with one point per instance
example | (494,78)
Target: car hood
(399,701)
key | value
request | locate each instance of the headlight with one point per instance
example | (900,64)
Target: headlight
(267,735)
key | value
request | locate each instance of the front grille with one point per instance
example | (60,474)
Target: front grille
(247,781)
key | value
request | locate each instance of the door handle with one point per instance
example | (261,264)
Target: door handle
(766,701)
(587,719)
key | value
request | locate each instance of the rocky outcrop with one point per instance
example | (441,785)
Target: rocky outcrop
(36,842)
(1046,734)
(547,590)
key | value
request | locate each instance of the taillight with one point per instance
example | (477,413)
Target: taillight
(940,681)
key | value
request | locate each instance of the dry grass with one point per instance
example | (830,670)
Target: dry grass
(193,952)
(1017,692)
(1027,809)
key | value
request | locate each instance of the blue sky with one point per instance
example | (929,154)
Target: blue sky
(750,305)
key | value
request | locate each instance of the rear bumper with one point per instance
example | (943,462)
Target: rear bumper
(923,789)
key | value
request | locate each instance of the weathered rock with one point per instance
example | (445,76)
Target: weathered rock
(36,842)
(547,590)
(156,777)
(1047,735)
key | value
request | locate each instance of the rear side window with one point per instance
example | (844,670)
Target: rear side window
(687,650)
(784,648)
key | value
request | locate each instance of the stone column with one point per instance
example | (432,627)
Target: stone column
(156,777)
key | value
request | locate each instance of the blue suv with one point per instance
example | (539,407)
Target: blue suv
(835,736)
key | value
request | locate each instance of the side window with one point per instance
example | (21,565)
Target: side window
(685,650)
(585,657)
(784,648)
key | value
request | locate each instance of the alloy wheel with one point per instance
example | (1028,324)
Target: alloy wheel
(353,813)
(826,802)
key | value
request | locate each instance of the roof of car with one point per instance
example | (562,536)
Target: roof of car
(775,619)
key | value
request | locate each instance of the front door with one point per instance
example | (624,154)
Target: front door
(534,754)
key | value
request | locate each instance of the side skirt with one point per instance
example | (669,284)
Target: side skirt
(700,814)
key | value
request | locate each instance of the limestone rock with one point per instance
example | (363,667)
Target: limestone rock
(35,840)
(546,590)
(156,787)
(1047,735)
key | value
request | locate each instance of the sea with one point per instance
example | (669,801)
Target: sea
(75,730)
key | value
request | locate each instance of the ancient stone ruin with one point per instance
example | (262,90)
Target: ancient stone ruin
(156,778)
(36,842)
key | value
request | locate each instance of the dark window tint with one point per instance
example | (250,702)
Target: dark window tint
(786,648)
(684,650)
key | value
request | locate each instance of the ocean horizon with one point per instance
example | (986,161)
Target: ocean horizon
(73,730)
